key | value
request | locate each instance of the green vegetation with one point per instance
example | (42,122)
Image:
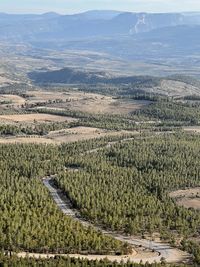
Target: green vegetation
(193,248)
(186,113)
(32,129)
(74,76)
(105,121)
(164,112)
(29,218)
(126,187)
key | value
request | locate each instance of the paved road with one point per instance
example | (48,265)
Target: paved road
(163,250)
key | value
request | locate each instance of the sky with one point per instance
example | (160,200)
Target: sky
(76,6)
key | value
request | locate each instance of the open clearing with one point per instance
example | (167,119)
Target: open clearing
(135,257)
(14,100)
(189,198)
(66,136)
(82,133)
(84,102)
(35,117)
(176,88)
(76,101)
(26,140)
(195,129)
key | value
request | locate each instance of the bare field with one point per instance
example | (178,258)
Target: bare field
(82,133)
(26,140)
(85,102)
(14,99)
(189,198)
(177,88)
(195,129)
(65,136)
(31,118)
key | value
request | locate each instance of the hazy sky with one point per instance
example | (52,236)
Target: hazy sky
(74,6)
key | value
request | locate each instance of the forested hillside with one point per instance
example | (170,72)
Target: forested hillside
(185,113)
(126,187)
(123,85)
(29,219)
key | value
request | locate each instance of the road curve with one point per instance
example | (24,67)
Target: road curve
(162,250)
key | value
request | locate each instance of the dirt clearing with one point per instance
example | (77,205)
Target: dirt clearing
(35,117)
(85,102)
(195,129)
(65,136)
(83,133)
(134,257)
(189,198)
(26,140)
(14,100)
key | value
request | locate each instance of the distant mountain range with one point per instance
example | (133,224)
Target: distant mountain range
(38,28)
(123,34)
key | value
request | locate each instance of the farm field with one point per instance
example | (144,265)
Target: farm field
(73,100)
(31,118)
(26,140)
(85,102)
(14,100)
(83,133)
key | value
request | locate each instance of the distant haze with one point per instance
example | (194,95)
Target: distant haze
(75,6)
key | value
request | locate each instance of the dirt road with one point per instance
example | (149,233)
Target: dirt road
(162,250)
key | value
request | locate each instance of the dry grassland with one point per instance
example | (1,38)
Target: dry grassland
(31,118)
(65,136)
(86,102)
(82,133)
(15,99)
(26,140)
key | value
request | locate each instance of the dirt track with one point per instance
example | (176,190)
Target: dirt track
(162,250)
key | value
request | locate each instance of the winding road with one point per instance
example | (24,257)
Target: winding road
(153,251)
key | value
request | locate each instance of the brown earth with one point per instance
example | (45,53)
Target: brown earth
(189,198)
(85,102)
(26,140)
(195,129)
(35,117)
(83,133)
(15,99)
(65,136)
(134,257)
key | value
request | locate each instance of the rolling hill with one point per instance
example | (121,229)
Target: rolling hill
(175,85)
